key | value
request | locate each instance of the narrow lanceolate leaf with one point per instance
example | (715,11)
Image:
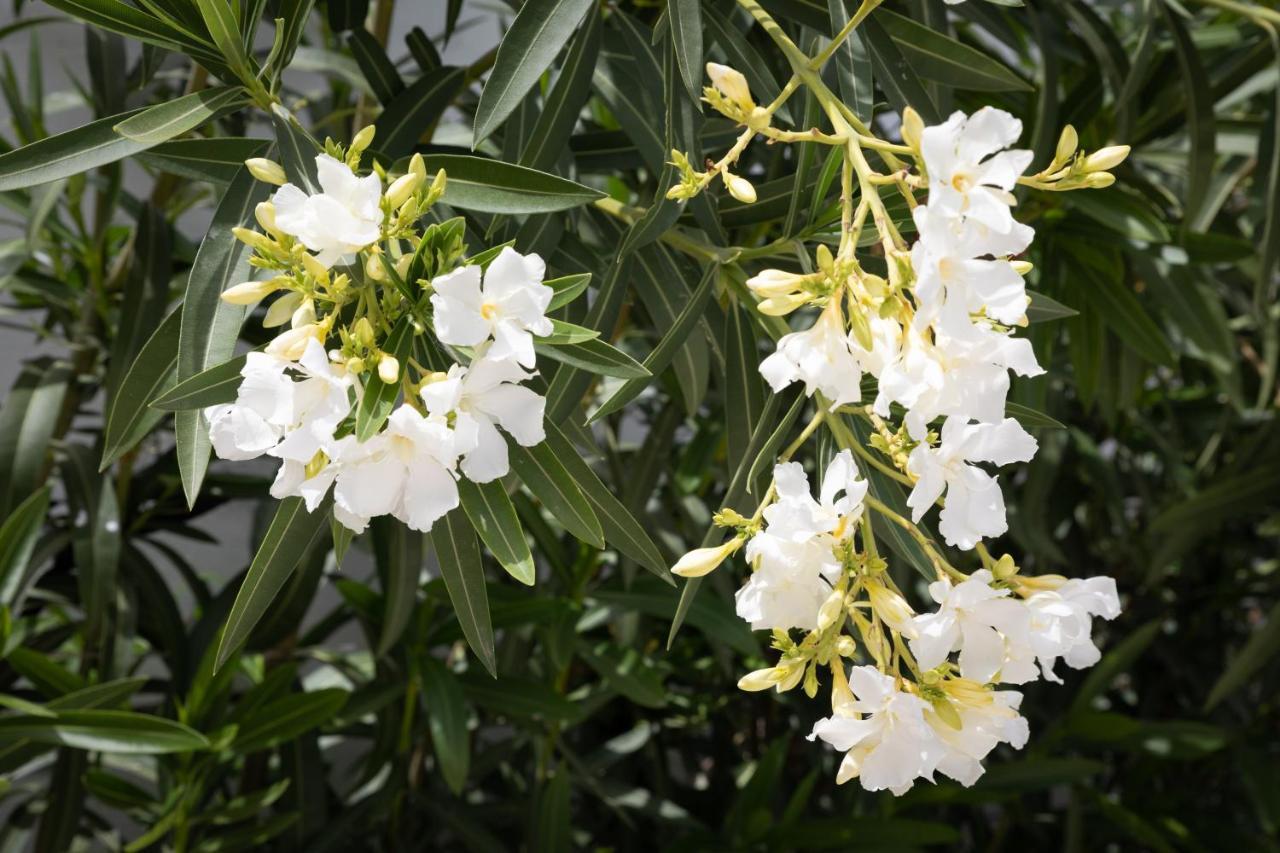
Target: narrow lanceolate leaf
(377,68)
(1200,118)
(416,109)
(120,17)
(153,371)
(622,530)
(399,553)
(595,356)
(662,354)
(288,717)
(1031,418)
(211,387)
(17,541)
(447,720)
(210,327)
(220,20)
(87,147)
(895,73)
(550,135)
(542,473)
(538,32)
(1043,308)
(491,186)
(458,554)
(495,519)
(380,397)
(1257,652)
(105,731)
(173,118)
(214,160)
(685,18)
(938,57)
(567,288)
(27,421)
(744,390)
(290,536)
(297,150)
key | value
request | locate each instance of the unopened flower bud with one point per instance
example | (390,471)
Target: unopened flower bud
(1022,267)
(831,609)
(363,332)
(760,679)
(758,120)
(740,188)
(701,561)
(291,344)
(1099,180)
(402,265)
(1005,567)
(373,268)
(265,213)
(355,365)
(1067,144)
(792,671)
(401,188)
(892,609)
(418,167)
(313,267)
(281,310)
(731,84)
(768,283)
(845,646)
(1105,159)
(826,262)
(255,240)
(438,185)
(362,140)
(947,713)
(305,315)
(267,171)
(388,369)
(780,306)
(912,127)
(249,292)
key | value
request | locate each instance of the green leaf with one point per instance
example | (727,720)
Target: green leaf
(595,356)
(286,718)
(621,529)
(1128,214)
(1120,309)
(447,721)
(1114,663)
(417,108)
(214,160)
(1031,418)
(154,370)
(220,19)
(399,552)
(119,17)
(491,186)
(1200,101)
(212,387)
(458,554)
(120,732)
(379,397)
(27,422)
(495,519)
(541,472)
(520,697)
(292,532)
(18,541)
(539,30)
(685,20)
(938,57)
(210,327)
(563,103)
(551,823)
(744,390)
(71,153)
(377,68)
(567,288)
(563,333)
(173,118)
(894,73)
(1257,652)
(1043,309)
(657,361)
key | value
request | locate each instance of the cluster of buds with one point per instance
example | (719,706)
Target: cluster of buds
(1074,169)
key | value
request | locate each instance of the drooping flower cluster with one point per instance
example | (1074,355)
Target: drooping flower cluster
(369,316)
(933,323)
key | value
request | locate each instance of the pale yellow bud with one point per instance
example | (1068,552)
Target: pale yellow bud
(1041,583)
(363,332)
(768,283)
(281,310)
(912,127)
(305,315)
(388,369)
(265,213)
(291,344)
(254,240)
(760,679)
(249,292)
(1067,144)
(418,167)
(780,306)
(793,671)
(845,646)
(362,140)
(314,268)
(1105,159)
(702,561)
(947,713)
(1099,180)
(355,365)
(1022,267)
(731,84)
(402,265)
(892,609)
(373,268)
(758,120)
(267,171)
(401,188)
(438,185)
(831,609)
(740,188)
(1005,567)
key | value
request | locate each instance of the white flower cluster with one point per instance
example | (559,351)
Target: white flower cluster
(951,357)
(297,402)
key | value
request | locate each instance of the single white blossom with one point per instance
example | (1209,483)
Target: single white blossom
(791,581)
(796,516)
(985,624)
(975,506)
(321,401)
(483,397)
(263,409)
(890,745)
(820,357)
(509,307)
(1062,622)
(986,719)
(967,177)
(342,219)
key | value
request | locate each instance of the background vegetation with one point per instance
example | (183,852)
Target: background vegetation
(357,716)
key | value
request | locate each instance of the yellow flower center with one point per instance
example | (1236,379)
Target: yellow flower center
(487,310)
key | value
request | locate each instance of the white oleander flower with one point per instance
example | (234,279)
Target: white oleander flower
(1062,622)
(986,719)
(483,397)
(820,357)
(965,378)
(890,745)
(967,177)
(263,409)
(955,280)
(975,506)
(985,624)
(796,516)
(886,345)
(341,220)
(509,307)
(791,581)
(321,401)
